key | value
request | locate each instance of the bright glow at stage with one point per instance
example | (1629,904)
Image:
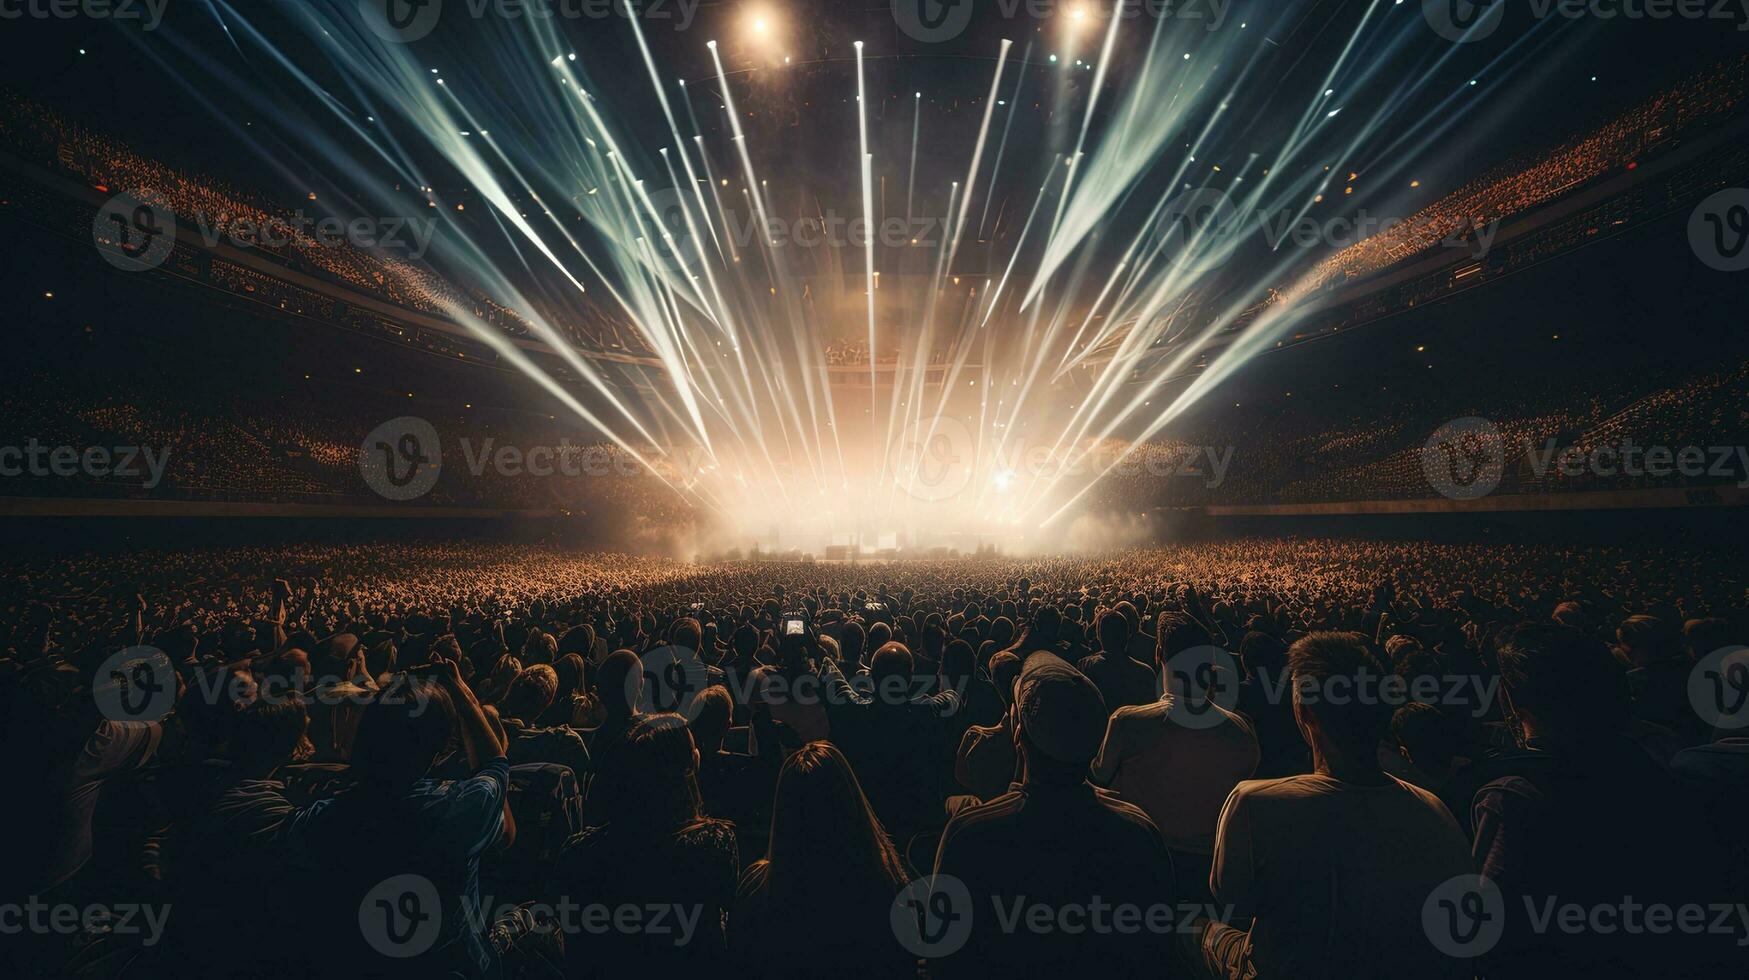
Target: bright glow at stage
(1060,301)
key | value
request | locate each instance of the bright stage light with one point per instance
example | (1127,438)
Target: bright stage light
(1003,480)
(763,25)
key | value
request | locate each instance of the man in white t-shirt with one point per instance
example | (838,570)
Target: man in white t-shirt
(1332,870)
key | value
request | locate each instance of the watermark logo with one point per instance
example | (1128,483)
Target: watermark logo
(39,459)
(1719,230)
(1202,679)
(932,916)
(401,459)
(35,916)
(133,235)
(410,237)
(669,236)
(1463,21)
(1465,458)
(932,459)
(671,680)
(402,916)
(148,13)
(135,684)
(400,21)
(1201,228)
(1465,916)
(1718,688)
(933,21)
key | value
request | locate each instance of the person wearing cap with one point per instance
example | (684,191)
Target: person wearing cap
(1054,865)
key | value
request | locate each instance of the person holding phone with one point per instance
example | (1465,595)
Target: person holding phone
(786,699)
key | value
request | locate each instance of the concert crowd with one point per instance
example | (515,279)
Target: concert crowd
(1249,758)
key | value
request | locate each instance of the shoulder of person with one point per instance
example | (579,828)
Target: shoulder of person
(993,809)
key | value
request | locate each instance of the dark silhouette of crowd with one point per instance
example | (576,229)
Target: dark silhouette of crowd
(1252,758)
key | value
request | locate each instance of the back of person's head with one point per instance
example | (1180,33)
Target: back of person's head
(1564,682)
(1261,654)
(578,640)
(1047,625)
(531,693)
(1329,669)
(619,683)
(1061,717)
(1004,671)
(688,634)
(1424,736)
(892,660)
(401,732)
(825,838)
(1178,633)
(1002,631)
(852,640)
(958,661)
(570,670)
(713,710)
(380,659)
(1127,610)
(879,635)
(270,732)
(1645,639)
(652,776)
(1569,614)
(1703,636)
(744,641)
(1114,631)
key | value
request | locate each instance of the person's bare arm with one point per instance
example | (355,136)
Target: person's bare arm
(480,740)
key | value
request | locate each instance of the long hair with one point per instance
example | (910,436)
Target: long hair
(651,774)
(825,838)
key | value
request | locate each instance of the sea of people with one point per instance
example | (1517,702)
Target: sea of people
(1241,758)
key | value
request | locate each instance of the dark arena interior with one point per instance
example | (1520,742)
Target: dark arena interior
(1248,489)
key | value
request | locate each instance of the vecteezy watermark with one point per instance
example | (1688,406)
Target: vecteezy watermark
(401,459)
(1342,231)
(1465,917)
(933,458)
(671,680)
(136,684)
(1718,230)
(936,458)
(1205,678)
(403,917)
(1200,229)
(132,233)
(406,21)
(33,915)
(1201,680)
(1718,688)
(147,13)
(679,236)
(39,459)
(932,917)
(1466,459)
(936,21)
(1464,21)
(409,236)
